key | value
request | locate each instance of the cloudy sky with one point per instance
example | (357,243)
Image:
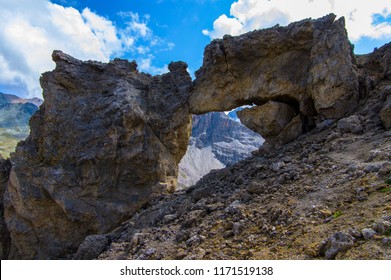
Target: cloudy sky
(155,32)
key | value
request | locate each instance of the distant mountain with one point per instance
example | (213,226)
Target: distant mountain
(216,142)
(13,99)
(15,113)
(232,114)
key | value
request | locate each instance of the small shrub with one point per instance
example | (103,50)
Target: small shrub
(388,181)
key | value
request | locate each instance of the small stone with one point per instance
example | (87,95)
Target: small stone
(194,240)
(182,235)
(355,233)
(91,247)
(136,239)
(385,168)
(382,226)
(351,168)
(386,241)
(362,198)
(255,188)
(336,243)
(169,218)
(150,251)
(371,168)
(325,213)
(368,233)
(236,228)
(351,124)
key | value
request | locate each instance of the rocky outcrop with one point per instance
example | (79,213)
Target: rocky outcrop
(5,168)
(106,138)
(217,141)
(375,71)
(308,65)
(322,196)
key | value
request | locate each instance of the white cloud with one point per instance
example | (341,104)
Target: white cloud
(224,25)
(31,29)
(136,26)
(145,65)
(247,15)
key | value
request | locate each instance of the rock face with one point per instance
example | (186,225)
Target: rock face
(385,113)
(106,138)
(308,65)
(5,168)
(217,141)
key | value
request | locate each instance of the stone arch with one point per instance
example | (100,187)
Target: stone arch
(138,125)
(307,68)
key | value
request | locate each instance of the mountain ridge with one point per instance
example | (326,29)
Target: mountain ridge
(14,99)
(15,113)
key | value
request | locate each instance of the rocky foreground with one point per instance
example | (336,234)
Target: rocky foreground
(92,179)
(324,196)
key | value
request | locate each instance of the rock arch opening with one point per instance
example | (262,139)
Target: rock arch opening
(216,141)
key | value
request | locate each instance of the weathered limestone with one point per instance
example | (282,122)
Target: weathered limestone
(308,65)
(106,138)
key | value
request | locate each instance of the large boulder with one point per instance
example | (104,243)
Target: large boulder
(269,120)
(105,140)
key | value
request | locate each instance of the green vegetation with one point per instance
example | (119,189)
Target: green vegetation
(8,141)
(384,189)
(337,214)
(388,181)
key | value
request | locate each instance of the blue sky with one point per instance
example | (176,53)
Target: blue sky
(155,32)
(177,24)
